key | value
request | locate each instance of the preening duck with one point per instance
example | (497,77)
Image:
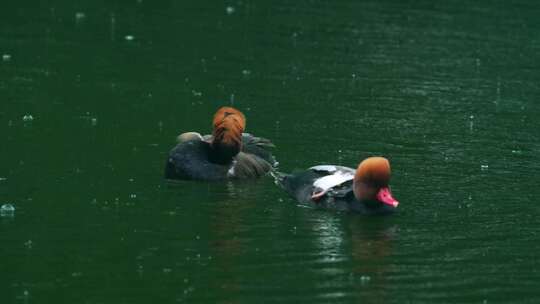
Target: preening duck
(364,190)
(227,153)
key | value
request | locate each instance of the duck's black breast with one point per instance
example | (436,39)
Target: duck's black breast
(191,160)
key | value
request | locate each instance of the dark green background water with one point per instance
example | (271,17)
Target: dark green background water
(449,92)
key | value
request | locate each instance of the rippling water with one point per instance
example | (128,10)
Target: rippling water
(92,95)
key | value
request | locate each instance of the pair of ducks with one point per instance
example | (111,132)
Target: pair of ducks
(229,153)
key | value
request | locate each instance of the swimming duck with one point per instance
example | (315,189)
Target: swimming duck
(227,153)
(364,190)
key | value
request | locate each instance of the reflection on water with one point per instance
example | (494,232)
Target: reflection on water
(364,246)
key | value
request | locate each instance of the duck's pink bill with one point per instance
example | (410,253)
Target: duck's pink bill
(384,195)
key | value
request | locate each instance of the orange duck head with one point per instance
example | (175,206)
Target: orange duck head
(228,123)
(371,181)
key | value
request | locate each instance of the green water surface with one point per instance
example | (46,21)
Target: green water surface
(93,94)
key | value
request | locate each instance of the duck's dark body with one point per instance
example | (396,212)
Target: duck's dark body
(340,197)
(198,160)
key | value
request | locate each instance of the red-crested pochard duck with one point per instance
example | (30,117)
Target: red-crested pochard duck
(364,190)
(227,153)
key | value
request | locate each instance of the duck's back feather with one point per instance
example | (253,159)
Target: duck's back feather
(190,160)
(196,159)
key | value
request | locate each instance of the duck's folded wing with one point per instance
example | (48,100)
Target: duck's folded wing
(249,165)
(332,180)
(262,142)
(332,169)
(258,146)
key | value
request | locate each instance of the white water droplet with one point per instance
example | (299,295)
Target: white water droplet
(365,279)
(28,118)
(7,210)
(230,10)
(484,167)
(129,37)
(79,16)
(6,57)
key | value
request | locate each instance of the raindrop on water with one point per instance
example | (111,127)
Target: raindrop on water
(365,279)
(498,91)
(25,296)
(113,27)
(79,16)
(230,10)
(7,210)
